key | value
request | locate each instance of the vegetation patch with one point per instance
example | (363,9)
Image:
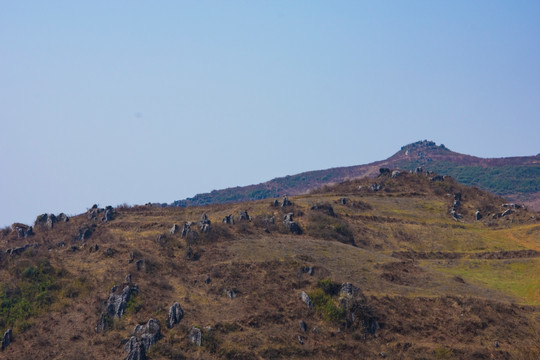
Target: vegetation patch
(325,302)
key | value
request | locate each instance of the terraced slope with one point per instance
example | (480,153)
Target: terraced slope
(430,286)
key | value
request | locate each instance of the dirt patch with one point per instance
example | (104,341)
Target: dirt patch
(403,273)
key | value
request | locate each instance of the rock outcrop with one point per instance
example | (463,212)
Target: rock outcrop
(195,336)
(144,336)
(291,225)
(174,229)
(7,339)
(22,230)
(243,215)
(175,315)
(228,219)
(115,305)
(305,298)
(357,311)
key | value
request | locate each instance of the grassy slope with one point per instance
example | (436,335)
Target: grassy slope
(441,307)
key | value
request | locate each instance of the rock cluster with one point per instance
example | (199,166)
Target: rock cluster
(19,250)
(357,311)
(243,215)
(228,219)
(204,224)
(143,337)
(104,215)
(195,336)
(384,171)
(83,234)
(22,230)
(375,187)
(285,202)
(456,206)
(174,229)
(396,173)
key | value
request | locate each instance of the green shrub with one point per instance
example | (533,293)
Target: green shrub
(326,307)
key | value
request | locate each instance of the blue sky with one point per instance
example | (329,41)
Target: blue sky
(132,101)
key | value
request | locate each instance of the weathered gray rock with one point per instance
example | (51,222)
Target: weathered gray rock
(93,248)
(455,215)
(108,214)
(116,305)
(357,311)
(303,325)
(127,280)
(375,187)
(507,212)
(195,336)
(174,229)
(418,170)
(205,228)
(513,206)
(228,219)
(343,201)
(457,196)
(83,234)
(285,201)
(7,339)
(275,203)
(109,252)
(478,215)
(186,229)
(300,340)
(437,178)
(141,265)
(204,224)
(291,225)
(396,173)
(19,250)
(144,336)
(131,257)
(307,270)
(243,215)
(230,293)
(305,298)
(22,230)
(175,315)
(62,217)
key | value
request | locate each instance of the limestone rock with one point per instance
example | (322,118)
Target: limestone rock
(228,219)
(175,315)
(195,336)
(116,305)
(303,325)
(174,229)
(478,215)
(396,173)
(243,215)
(285,202)
(305,298)
(144,336)
(7,339)
(22,230)
(384,171)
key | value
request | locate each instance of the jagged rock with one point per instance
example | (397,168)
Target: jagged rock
(396,173)
(243,215)
(303,325)
(288,217)
(175,315)
(285,202)
(228,219)
(61,244)
(437,178)
(478,215)
(19,250)
(108,215)
(496,215)
(62,217)
(356,308)
(307,270)
(174,229)
(455,215)
(94,248)
(83,234)
(418,170)
(305,298)
(300,340)
(116,305)
(195,336)
(109,252)
(131,257)
(207,279)
(94,212)
(204,224)
(230,293)
(507,212)
(291,225)
(7,339)
(186,228)
(457,204)
(127,280)
(144,336)
(275,203)
(343,201)
(375,187)
(384,171)
(45,220)
(22,230)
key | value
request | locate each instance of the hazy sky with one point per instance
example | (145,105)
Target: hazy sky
(136,101)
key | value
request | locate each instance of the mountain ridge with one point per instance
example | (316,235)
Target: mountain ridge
(426,154)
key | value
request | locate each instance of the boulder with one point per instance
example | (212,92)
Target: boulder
(303,325)
(418,170)
(7,339)
(116,305)
(230,293)
(305,298)
(228,219)
(275,203)
(83,234)
(195,336)
(175,315)
(285,202)
(243,215)
(204,223)
(455,215)
(457,196)
(343,201)
(19,250)
(513,206)
(291,225)
(22,230)
(141,265)
(384,171)
(507,212)
(357,311)
(478,215)
(307,270)
(437,178)
(325,208)
(396,173)
(62,217)
(174,229)
(144,336)
(108,214)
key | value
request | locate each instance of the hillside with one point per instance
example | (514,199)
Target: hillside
(367,268)
(516,178)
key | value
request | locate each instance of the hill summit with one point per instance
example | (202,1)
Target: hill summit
(517,178)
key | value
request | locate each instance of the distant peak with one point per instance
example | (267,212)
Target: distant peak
(423,145)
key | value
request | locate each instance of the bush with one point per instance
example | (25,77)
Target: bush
(326,307)
(330,228)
